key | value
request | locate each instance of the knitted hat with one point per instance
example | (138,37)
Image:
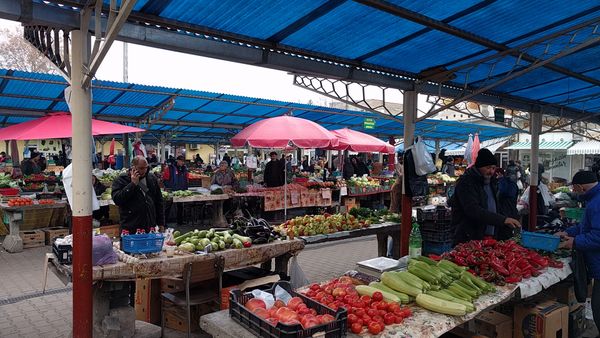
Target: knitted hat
(485,158)
(584,177)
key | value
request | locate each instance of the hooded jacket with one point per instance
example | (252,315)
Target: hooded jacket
(138,210)
(470,213)
(587,233)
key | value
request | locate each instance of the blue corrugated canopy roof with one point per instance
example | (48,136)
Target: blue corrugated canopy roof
(202,114)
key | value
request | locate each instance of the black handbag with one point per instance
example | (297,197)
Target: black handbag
(580,276)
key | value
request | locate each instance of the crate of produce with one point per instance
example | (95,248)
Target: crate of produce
(63,252)
(9,191)
(142,243)
(436,248)
(438,236)
(54,232)
(575,213)
(261,328)
(32,238)
(534,240)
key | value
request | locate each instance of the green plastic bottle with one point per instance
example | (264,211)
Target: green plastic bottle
(415,241)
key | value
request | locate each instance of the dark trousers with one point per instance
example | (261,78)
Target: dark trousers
(596,303)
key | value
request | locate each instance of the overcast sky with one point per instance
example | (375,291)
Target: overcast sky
(171,69)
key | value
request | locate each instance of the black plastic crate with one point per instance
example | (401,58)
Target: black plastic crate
(64,253)
(437,214)
(438,236)
(436,248)
(436,226)
(261,328)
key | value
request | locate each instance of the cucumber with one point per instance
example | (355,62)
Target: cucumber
(378,285)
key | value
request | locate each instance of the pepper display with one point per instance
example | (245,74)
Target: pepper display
(500,262)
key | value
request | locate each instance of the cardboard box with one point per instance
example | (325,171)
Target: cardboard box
(147,300)
(492,324)
(245,285)
(577,322)
(112,231)
(350,202)
(547,319)
(55,232)
(565,293)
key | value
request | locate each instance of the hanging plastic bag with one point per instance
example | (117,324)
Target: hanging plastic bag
(423,160)
(297,277)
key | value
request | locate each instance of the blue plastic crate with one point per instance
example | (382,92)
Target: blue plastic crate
(436,248)
(534,240)
(142,243)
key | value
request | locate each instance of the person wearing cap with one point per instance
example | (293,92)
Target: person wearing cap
(176,175)
(475,205)
(274,171)
(585,236)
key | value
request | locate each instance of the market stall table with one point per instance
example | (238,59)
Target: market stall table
(110,281)
(382,230)
(218,219)
(14,216)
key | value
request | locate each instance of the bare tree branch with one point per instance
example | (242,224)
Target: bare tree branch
(18,54)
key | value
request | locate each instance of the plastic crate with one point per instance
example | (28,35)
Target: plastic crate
(436,248)
(437,214)
(436,226)
(142,243)
(534,240)
(438,236)
(575,213)
(64,253)
(261,328)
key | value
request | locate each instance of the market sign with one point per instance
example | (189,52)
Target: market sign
(369,123)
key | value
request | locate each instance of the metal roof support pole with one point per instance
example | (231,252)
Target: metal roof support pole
(437,149)
(536,128)
(80,104)
(410,116)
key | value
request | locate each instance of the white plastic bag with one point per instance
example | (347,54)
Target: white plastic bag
(67,183)
(423,160)
(297,277)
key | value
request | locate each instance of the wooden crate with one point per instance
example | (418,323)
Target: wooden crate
(175,317)
(58,217)
(54,232)
(112,231)
(32,238)
(113,213)
(36,219)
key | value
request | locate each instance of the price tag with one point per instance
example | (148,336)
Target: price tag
(326,194)
(343,191)
(295,197)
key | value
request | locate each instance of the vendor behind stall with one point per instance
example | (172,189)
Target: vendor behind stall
(31,166)
(176,175)
(99,189)
(274,171)
(474,203)
(224,176)
(138,197)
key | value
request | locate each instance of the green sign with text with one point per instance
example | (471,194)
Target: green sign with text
(369,124)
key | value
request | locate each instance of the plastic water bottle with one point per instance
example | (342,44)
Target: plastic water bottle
(414,241)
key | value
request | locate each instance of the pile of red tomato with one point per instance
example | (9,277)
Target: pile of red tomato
(46,201)
(295,312)
(372,313)
(20,202)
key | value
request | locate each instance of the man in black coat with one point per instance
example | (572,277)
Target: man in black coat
(274,175)
(138,197)
(474,203)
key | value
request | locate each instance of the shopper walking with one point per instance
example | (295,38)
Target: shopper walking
(585,236)
(274,175)
(474,203)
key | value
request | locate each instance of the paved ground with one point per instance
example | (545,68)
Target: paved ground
(25,312)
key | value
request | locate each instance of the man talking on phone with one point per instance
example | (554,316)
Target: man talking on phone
(139,198)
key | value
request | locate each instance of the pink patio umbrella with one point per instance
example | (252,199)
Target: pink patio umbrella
(284,131)
(58,125)
(360,142)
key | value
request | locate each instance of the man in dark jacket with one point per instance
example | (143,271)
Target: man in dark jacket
(138,197)
(474,203)
(585,236)
(274,171)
